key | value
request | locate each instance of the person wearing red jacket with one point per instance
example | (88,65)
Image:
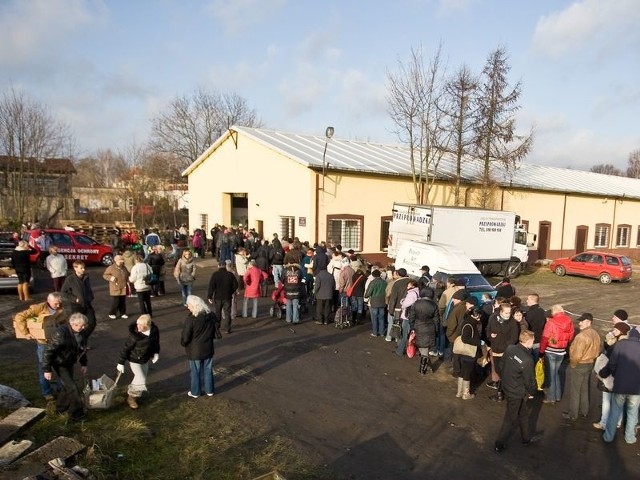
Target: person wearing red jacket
(556,336)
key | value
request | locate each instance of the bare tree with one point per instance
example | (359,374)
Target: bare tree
(460,90)
(633,168)
(29,134)
(415,104)
(495,139)
(190,124)
(607,169)
(101,170)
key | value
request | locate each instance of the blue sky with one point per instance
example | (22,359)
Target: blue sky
(107,67)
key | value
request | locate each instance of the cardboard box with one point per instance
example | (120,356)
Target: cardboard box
(39,330)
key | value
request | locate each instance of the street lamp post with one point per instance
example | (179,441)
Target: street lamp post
(327,136)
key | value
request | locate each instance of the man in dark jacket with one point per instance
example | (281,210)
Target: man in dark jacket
(66,346)
(624,365)
(292,282)
(398,291)
(536,319)
(519,384)
(222,286)
(77,293)
(324,285)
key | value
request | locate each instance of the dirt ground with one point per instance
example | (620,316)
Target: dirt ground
(356,408)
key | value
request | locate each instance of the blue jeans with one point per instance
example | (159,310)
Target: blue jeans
(389,325)
(357,305)
(255,307)
(617,405)
(45,386)
(204,369)
(292,310)
(606,409)
(553,367)
(186,291)
(405,336)
(441,341)
(377,320)
(276,271)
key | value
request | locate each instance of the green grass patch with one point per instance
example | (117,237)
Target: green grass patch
(170,438)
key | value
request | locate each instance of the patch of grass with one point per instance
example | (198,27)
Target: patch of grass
(172,437)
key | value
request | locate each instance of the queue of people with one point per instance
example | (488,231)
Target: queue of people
(499,339)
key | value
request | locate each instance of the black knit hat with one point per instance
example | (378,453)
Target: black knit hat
(621,314)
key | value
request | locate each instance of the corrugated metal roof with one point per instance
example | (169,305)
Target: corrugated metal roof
(350,155)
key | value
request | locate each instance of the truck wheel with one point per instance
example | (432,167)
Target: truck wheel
(107,260)
(605,278)
(513,271)
(560,271)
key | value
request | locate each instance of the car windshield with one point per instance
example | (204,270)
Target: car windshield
(84,240)
(474,282)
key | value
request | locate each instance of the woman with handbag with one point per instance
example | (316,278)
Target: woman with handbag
(467,347)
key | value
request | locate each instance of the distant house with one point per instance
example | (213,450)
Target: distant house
(35,189)
(342,191)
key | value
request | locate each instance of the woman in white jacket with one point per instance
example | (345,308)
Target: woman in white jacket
(57,266)
(139,271)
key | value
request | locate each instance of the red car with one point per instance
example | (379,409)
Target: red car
(72,246)
(603,266)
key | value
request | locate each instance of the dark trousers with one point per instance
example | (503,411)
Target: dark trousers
(118,305)
(578,379)
(223,306)
(144,301)
(57,283)
(323,309)
(456,365)
(69,398)
(517,413)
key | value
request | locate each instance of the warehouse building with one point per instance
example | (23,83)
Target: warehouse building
(342,191)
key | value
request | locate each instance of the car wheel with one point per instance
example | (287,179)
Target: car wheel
(107,260)
(560,271)
(605,278)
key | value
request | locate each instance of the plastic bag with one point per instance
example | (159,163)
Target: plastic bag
(411,345)
(540,373)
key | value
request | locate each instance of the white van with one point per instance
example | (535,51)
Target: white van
(443,261)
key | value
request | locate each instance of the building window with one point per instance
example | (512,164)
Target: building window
(204,222)
(345,230)
(384,232)
(622,235)
(638,238)
(602,235)
(287,227)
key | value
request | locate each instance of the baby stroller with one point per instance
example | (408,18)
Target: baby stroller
(279,307)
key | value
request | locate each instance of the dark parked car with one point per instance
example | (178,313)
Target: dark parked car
(601,265)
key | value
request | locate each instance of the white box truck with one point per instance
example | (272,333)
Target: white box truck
(493,239)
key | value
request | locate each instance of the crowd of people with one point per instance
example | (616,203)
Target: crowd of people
(498,340)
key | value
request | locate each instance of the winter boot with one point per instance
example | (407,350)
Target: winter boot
(460,388)
(423,365)
(466,388)
(131,401)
